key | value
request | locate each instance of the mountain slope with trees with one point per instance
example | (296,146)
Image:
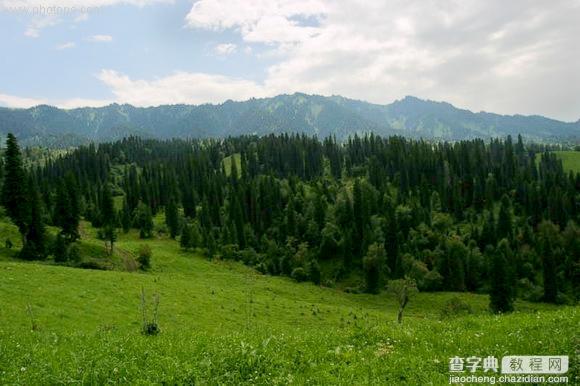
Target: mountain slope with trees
(297,113)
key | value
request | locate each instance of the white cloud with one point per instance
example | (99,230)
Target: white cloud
(181,87)
(38,23)
(520,56)
(100,38)
(267,21)
(225,49)
(18,102)
(65,46)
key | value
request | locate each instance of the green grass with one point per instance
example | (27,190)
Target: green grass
(222,323)
(570,160)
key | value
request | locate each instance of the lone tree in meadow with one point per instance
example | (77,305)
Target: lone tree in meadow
(403,289)
(14,195)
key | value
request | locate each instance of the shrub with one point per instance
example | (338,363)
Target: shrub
(74,253)
(455,306)
(144,257)
(299,274)
(314,272)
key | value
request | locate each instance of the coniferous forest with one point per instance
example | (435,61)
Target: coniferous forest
(499,218)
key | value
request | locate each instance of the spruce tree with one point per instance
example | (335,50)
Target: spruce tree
(504,219)
(172,218)
(108,218)
(502,291)
(34,247)
(14,197)
(548,239)
(66,211)
(144,220)
(185,240)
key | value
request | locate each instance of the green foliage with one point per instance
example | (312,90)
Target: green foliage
(502,290)
(454,307)
(14,196)
(299,274)
(144,257)
(373,266)
(144,221)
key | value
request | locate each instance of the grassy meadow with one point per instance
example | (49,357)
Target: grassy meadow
(570,160)
(222,323)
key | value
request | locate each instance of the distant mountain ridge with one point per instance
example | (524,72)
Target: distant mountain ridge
(297,113)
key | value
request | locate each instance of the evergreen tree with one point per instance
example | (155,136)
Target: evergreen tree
(66,211)
(14,197)
(172,218)
(185,241)
(505,219)
(501,291)
(548,240)
(144,220)
(34,247)
(108,218)
(126,216)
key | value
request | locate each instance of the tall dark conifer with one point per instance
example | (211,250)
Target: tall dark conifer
(14,197)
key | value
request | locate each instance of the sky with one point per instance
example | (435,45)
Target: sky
(508,57)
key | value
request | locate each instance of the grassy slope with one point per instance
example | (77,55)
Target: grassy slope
(570,160)
(223,323)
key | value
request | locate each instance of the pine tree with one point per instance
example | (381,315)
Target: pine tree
(108,218)
(66,211)
(185,240)
(144,220)
(548,239)
(34,247)
(14,197)
(172,218)
(502,290)
(126,216)
(504,219)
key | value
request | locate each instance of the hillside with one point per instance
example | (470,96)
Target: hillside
(297,113)
(223,323)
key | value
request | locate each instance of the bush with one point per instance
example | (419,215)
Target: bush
(314,272)
(144,258)
(74,253)
(454,307)
(299,274)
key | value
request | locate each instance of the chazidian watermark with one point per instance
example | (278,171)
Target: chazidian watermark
(511,369)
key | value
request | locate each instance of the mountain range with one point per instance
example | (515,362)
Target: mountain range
(300,113)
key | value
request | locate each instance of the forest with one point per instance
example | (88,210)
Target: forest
(496,217)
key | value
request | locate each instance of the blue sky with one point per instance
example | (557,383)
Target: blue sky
(516,57)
